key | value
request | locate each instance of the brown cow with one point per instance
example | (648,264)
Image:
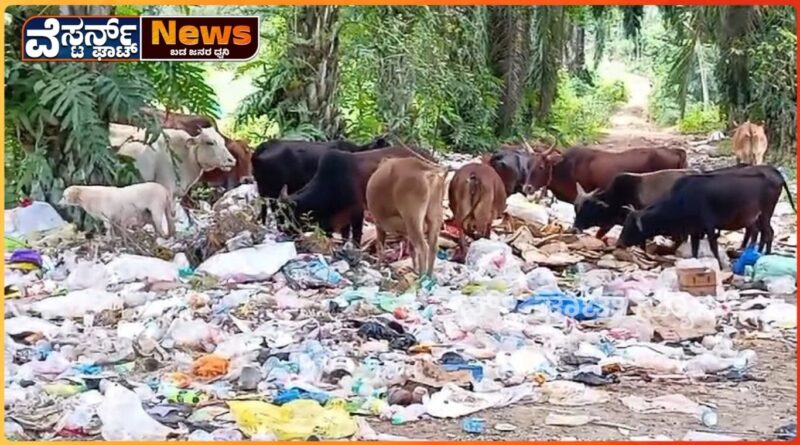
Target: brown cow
(477,197)
(750,143)
(405,196)
(192,124)
(594,169)
(241,173)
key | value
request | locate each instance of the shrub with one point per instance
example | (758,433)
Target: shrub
(700,119)
(577,118)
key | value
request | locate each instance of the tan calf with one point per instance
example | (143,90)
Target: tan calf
(477,197)
(405,197)
(750,143)
(125,207)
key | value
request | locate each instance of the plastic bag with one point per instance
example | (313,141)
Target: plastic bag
(87,275)
(748,258)
(311,271)
(37,217)
(782,285)
(129,268)
(678,316)
(519,207)
(295,420)
(250,264)
(567,393)
(578,308)
(492,258)
(775,266)
(76,304)
(124,418)
(541,277)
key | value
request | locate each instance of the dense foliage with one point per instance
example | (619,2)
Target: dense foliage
(455,78)
(57,114)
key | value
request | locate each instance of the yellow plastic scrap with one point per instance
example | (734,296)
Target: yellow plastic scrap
(296,420)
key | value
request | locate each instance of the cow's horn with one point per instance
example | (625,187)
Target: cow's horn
(528,146)
(629,208)
(284,195)
(638,219)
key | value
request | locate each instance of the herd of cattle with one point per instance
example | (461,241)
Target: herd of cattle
(648,191)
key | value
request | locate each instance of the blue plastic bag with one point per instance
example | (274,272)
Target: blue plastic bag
(580,309)
(311,271)
(286,395)
(748,258)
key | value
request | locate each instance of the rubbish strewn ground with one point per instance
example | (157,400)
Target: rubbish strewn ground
(231,331)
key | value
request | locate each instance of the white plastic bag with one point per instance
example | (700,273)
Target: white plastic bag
(127,268)
(540,277)
(250,264)
(77,304)
(492,258)
(568,393)
(678,316)
(519,207)
(37,217)
(87,275)
(124,418)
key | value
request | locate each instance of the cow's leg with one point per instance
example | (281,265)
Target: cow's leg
(602,232)
(414,231)
(158,216)
(433,247)
(712,242)
(380,244)
(748,233)
(767,234)
(357,222)
(695,240)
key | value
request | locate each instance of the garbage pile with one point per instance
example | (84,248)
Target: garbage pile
(263,341)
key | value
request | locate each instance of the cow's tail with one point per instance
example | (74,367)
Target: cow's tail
(474,189)
(788,194)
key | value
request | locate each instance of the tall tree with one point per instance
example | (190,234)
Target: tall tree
(509,55)
(548,38)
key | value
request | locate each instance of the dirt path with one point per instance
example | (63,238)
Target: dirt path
(749,410)
(628,127)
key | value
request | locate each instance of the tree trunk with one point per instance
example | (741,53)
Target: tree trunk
(733,69)
(703,74)
(550,56)
(575,48)
(509,56)
(396,74)
(316,46)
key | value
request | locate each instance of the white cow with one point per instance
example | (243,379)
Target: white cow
(195,154)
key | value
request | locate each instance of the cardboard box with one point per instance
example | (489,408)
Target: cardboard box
(698,281)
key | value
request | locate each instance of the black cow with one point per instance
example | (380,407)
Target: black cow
(336,196)
(607,207)
(279,163)
(699,205)
(513,166)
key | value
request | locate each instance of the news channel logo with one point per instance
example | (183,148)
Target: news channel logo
(139,38)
